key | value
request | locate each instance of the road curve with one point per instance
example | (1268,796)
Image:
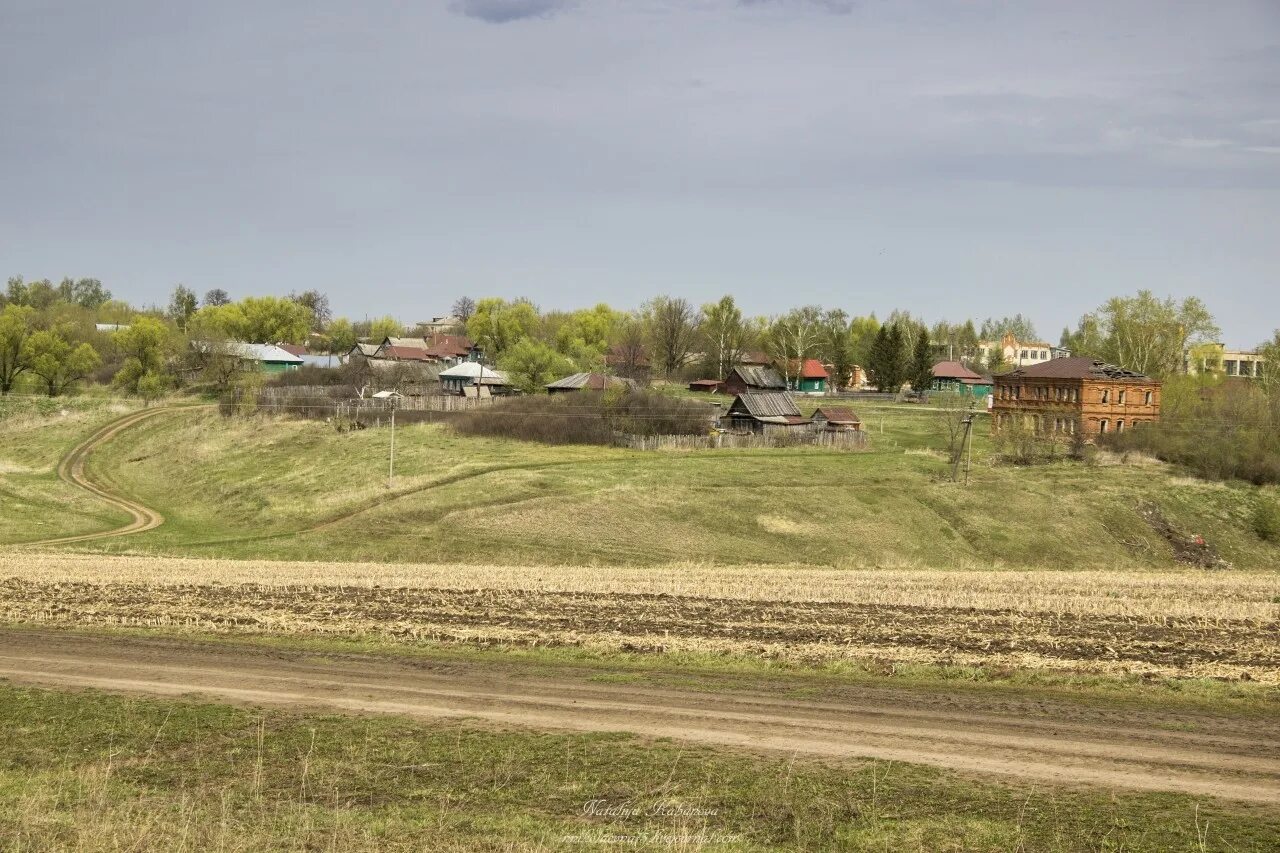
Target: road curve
(72,470)
(1029,739)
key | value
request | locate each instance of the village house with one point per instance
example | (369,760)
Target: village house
(954,377)
(836,419)
(472,379)
(705,386)
(1067,396)
(764,412)
(745,378)
(810,377)
(589,382)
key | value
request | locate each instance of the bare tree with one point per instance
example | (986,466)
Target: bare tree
(672,325)
(463,308)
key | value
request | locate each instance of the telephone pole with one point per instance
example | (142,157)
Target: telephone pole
(391,464)
(960,452)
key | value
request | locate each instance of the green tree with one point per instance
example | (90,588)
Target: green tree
(1145,333)
(144,346)
(723,333)
(182,304)
(497,325)
(58,363)
(1270,379)
(85,292)
(862,332)
(888,362)
(531,364)
(342,336)
(836,346)
(257,319)
(17,323)
(381,328)
(921,371)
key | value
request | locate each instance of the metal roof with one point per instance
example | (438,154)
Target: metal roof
(475,371)
(415,343)
(250,352)
(588,381)
(1077,367)
(956,370)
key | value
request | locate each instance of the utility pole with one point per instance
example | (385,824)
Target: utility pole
(391,464)
(955,467)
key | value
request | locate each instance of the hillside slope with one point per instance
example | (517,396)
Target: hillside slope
(300,490)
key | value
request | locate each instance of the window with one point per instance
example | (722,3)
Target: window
(1120,426)
(1146,398)
(1017,392)
(1044,356)
(1102,425)
(1230,367)
(1106,395)
(1120,398)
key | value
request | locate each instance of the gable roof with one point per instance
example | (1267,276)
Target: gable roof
(767,406)
(293,349)
(813,369)
(764,378)
(250,352)
(415,343)
(475,371)
(404,353)
(588,382)
(1078,367)
(756,357)
(956,370)
(366,350)
(837,415)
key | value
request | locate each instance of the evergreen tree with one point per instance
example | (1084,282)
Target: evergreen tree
(921,373)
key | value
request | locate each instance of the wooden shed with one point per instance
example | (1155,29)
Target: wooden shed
(836,419)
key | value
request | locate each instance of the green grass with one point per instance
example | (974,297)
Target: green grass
(34,436)
(256,487)
(92,771)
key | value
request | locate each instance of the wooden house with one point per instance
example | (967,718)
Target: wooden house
(836,419)
(745,378)
(762,412)
(954,377)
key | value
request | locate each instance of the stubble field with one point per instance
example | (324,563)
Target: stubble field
(1181,624)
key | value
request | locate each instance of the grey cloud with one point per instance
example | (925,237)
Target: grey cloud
(835,7)
(506,11)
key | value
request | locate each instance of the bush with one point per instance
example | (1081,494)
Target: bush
(1226,431)
(587,417)
(1266,520)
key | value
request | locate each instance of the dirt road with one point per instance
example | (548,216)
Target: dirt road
(72,470)
(1030,739)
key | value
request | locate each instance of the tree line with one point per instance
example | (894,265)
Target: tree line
(48,337)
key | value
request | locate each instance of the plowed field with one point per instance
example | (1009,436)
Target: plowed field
(1161,624)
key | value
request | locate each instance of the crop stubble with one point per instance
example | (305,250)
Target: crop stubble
(1180,624)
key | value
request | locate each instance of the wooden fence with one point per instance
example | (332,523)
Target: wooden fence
(728,440)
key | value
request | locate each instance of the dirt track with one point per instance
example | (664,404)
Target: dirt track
(71,470)
(1049,741)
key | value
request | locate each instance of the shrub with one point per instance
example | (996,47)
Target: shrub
(1266,520)
(587,417)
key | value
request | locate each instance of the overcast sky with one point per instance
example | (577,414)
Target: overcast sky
(951,158)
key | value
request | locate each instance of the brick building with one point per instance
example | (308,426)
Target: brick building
(1075,395)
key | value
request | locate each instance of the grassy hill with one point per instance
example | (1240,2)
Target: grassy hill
(299,490)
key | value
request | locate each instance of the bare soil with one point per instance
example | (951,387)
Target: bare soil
(1027,738)
(1245,649)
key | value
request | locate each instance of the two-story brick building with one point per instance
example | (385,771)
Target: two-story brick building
(1075,395)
